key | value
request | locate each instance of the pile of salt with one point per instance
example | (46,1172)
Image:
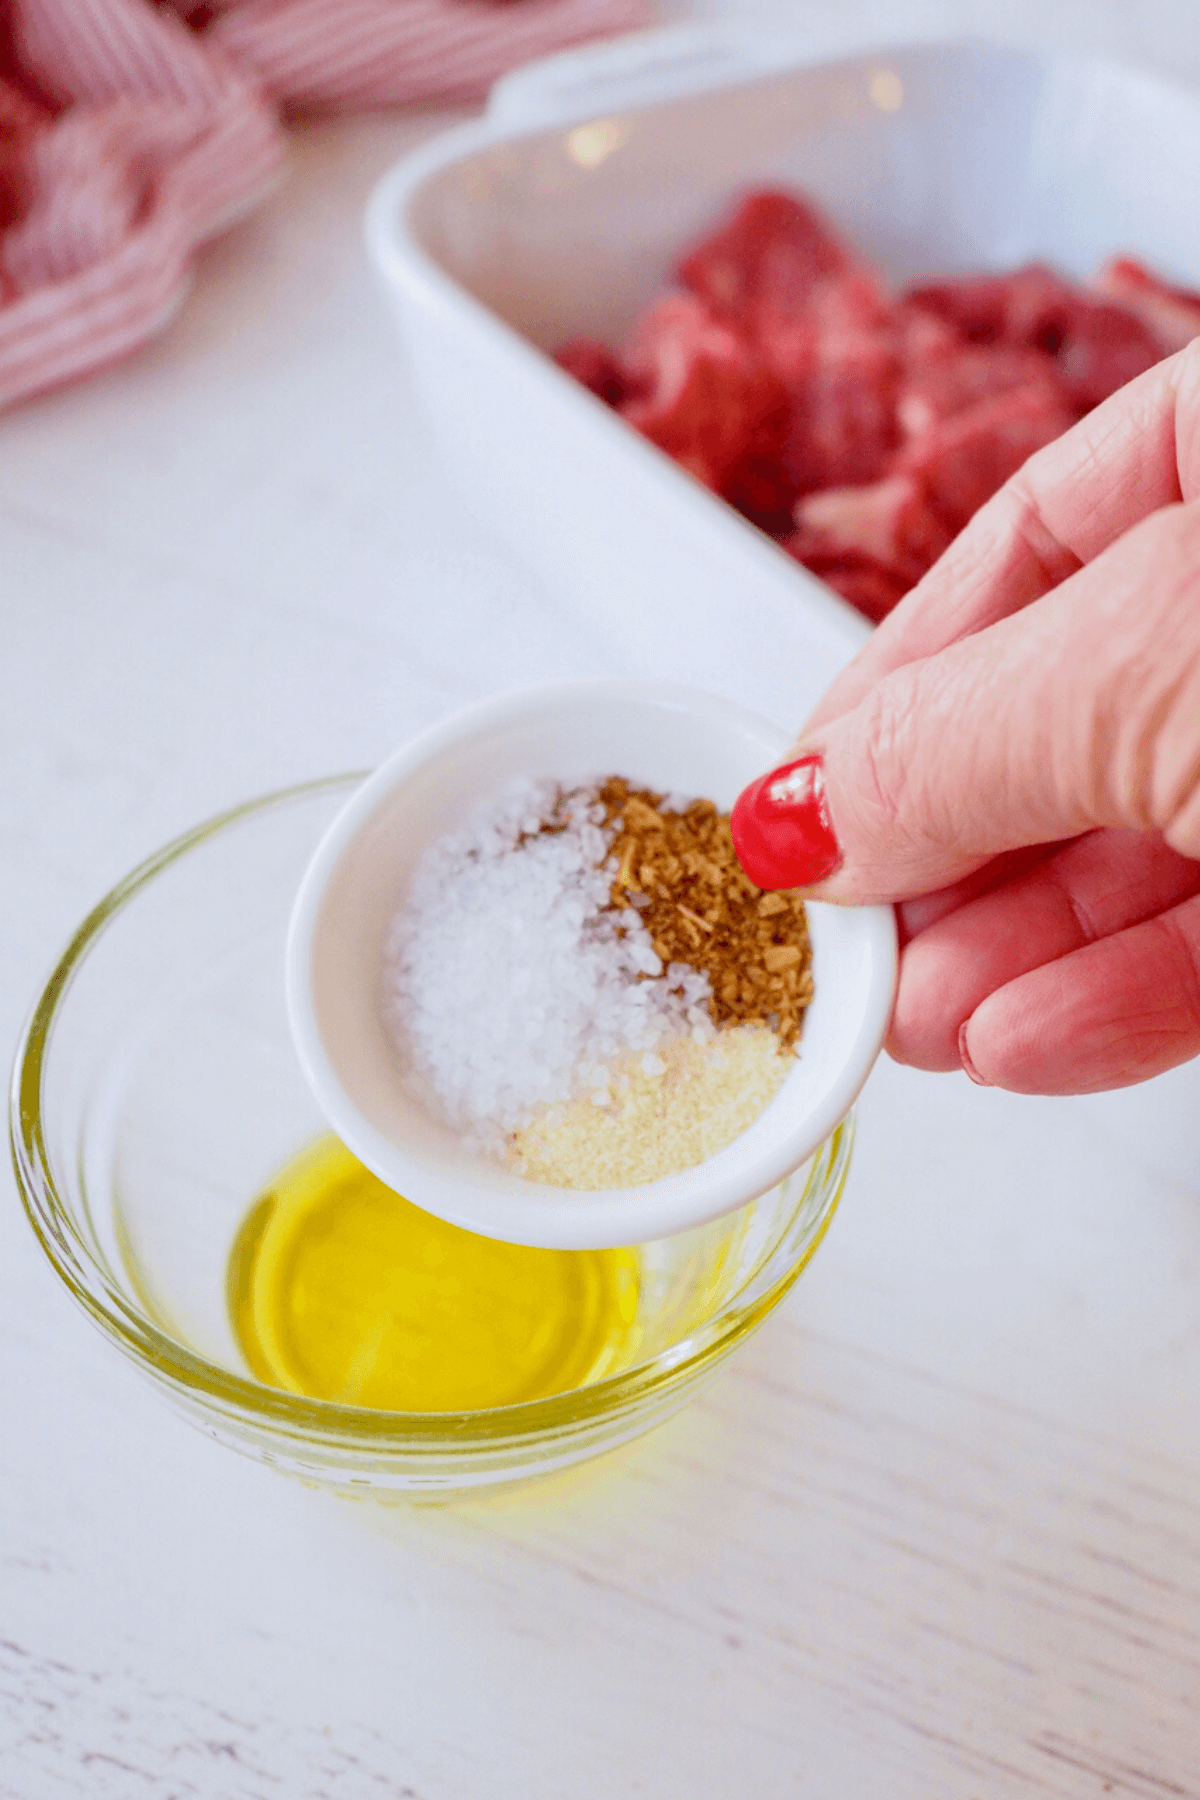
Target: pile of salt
(513,985)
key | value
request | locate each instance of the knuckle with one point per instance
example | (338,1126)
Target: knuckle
(1020,515)
(918,745)
(883,770)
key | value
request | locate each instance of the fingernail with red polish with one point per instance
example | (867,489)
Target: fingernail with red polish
(781,827)
(964,1056)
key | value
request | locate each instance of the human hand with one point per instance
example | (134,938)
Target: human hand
(1015,758)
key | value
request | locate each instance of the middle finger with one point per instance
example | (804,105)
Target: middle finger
(1094,887)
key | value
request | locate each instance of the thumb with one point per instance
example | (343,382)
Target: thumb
(1082,710)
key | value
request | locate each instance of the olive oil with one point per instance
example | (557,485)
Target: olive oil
(341,1289)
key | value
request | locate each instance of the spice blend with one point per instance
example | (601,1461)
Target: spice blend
(585,985)
(680,870)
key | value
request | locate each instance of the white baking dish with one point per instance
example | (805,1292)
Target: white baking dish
(563,209)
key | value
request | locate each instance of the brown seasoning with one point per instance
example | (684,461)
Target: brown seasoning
(680,871)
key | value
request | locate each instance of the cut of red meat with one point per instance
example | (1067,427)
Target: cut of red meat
(763,492)
(869,540)
(869,586)
(963,462)
(701,392)
(843,423)
(844,313)
(1016,308)
(594,365)
(889,522)
(1104,346)
(843,418)
(1097,346)
(760,268)
(861,431)
(939,379)
(1171,313)
(923,340)
(823,323)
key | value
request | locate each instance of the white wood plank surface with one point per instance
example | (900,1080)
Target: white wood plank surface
(934,1533)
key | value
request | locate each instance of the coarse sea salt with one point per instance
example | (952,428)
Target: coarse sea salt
(512,986)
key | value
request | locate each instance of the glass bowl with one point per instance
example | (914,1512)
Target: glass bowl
(156,1094)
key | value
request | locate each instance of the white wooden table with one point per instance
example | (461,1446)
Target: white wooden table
(935,1532)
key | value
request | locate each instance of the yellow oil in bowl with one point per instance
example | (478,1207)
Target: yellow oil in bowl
(341,1290)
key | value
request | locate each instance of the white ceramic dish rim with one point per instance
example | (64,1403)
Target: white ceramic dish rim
(501,1204)
(574,87)
(631,74)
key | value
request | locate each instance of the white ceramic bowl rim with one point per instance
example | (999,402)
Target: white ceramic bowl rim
(351,889)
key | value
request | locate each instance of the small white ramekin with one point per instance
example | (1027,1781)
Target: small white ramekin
(668,738)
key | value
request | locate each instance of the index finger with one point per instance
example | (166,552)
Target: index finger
(1138,451)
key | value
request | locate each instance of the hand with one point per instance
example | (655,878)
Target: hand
(1015,758)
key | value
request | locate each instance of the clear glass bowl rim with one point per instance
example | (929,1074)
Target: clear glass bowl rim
(193,1377)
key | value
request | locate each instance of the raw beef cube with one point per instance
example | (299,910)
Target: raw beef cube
(1103,347)
(762,491)
(840,364)
(966,459)
(923,340)
(843,418)
(760,269)
(1096,346)
(1171,313)
(870,543)
(940,379)
(889,522)
(844,313)
(869,586)
(701,392)
(594,364)
(822,321)
(997,309)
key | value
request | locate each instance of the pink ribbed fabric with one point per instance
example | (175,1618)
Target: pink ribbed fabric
(130,130)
